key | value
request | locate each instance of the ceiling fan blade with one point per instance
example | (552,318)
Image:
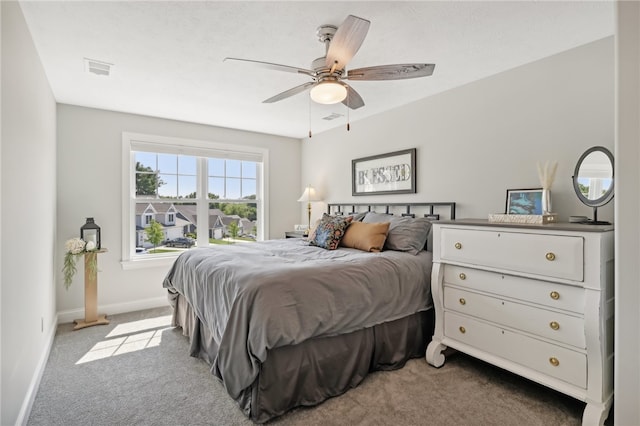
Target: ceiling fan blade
(277,67)
(391,72)
(290,92)
(353,99)
(346,41)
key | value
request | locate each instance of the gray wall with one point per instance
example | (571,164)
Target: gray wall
(478,140)
(28,237)
(89,185)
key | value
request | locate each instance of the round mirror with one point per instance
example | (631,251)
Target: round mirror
(593,179)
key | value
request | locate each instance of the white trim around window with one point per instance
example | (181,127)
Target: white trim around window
(132,142)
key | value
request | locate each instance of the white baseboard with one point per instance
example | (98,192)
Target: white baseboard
(116,308)
(32,391)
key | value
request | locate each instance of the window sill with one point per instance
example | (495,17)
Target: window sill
(142,263)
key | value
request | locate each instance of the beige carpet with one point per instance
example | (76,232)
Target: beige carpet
(137,370)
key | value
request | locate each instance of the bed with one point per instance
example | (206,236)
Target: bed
(285,323)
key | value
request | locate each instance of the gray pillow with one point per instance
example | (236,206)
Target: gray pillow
(405,233)
(357,217)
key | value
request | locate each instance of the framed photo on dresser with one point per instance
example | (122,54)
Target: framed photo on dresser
(524,201)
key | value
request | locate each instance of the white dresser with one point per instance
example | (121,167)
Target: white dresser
(536,300)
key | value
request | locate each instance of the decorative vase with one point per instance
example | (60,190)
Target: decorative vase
(546,201)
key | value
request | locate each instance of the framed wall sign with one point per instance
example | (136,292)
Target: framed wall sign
(392,173)
(524,201)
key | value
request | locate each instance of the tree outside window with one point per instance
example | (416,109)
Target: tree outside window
(233,230)
(155,234)
(147,180)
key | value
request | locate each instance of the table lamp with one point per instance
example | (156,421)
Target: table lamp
(308,196)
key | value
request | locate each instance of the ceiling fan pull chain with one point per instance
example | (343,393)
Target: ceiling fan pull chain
(309,117)
(348,103)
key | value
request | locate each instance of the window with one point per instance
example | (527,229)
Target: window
(179,194)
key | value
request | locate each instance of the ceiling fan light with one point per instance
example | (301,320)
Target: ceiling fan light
(328,92)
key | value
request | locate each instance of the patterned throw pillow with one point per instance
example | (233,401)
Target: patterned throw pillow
(330,230)
(312,231)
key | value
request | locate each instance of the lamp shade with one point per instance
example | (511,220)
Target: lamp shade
(328,92)
(309,195)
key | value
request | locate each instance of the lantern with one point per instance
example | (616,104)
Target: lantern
(90,232)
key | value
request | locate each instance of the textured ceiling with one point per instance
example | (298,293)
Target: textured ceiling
(168,56)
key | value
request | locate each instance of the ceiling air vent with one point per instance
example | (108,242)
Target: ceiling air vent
(332,116)
(97,67)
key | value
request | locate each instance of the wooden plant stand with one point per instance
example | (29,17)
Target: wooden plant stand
(91,316)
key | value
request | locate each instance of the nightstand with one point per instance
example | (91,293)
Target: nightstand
(295,234)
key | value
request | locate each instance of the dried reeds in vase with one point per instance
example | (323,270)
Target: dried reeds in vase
(547,175)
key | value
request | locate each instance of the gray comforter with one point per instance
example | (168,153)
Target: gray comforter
(256,296)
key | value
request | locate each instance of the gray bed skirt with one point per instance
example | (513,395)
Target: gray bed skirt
(310,372)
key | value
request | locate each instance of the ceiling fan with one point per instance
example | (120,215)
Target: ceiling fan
(328,73)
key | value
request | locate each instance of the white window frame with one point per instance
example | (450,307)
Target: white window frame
(132,142)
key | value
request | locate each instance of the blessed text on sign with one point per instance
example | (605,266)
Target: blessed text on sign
(388,173)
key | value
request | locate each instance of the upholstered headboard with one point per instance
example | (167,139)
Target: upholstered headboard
(429,210)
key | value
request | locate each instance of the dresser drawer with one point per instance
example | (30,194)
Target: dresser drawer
(556,256)
(564,364)
(545,293)
(551,325)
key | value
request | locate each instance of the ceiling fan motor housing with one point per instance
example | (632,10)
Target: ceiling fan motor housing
(319,65)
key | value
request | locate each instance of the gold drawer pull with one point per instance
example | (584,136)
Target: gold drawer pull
(554,361)
(550,257)
(458,246)
(463,330)
(463,276)
(462,301)
(554,295)
(554,325)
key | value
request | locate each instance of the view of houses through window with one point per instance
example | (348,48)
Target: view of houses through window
(167,200)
